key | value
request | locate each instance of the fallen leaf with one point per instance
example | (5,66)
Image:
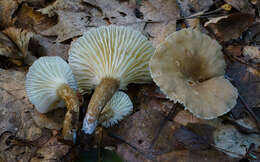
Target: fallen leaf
(232,142)
(201,156)
(53,150)
(253,53)
(230,27)
(242,5)
(73,19)
(28,18)
(51,120)
(163,16)
(189,7)
(20,37)
(42,46)
(190,140)
(15,117)
(7,10)
(252,36)
(8,48)
(234,50)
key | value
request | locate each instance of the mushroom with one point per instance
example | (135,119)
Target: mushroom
(116,109)
(189,68)
(49,84)
(106,59)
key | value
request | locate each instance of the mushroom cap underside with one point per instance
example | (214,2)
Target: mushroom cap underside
(43,79)
(110,52)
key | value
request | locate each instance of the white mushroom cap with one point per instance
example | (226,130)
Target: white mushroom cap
(110,51)
(45,76)
(189,67)
(121,105)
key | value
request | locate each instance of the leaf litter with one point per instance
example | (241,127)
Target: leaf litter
(158,130)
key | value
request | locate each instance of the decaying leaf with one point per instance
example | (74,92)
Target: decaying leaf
(73,19)
(51,120)
(28,18)
(15,116)
(234,50)
(231,27)
(252,37)
(42,46)
(242,5)
(8,48)
(53,150)
(232,141)
(253,53)
(20,37)
(163,15)
(7,9)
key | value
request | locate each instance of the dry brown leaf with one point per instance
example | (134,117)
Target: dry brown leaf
(53,150)
(15,116)
(8,48)
(42,46)
(164,15)
(73,19)
(51,120)
(28,18)
(242,5)
(20,37)
(231,27)
(7,9)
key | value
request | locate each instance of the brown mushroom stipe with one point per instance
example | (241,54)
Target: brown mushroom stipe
(70,123)
(108,58)
(49,84)
(189,67)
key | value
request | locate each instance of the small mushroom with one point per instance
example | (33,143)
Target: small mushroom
(189,68)
(106,59)
(50,84)
(116,109)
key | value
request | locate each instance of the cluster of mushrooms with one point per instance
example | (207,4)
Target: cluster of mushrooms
(188,67)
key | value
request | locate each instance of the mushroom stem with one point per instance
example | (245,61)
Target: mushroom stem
(102,94)
(70,123)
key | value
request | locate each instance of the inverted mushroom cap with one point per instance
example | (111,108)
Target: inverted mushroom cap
(189,67)
(121,105)
(110,51)
(45,76)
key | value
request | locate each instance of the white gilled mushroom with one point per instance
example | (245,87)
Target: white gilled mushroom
(49,84)
(107,59)
(189,67)
(116,109)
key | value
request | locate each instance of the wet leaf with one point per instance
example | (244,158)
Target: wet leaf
(231,27)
